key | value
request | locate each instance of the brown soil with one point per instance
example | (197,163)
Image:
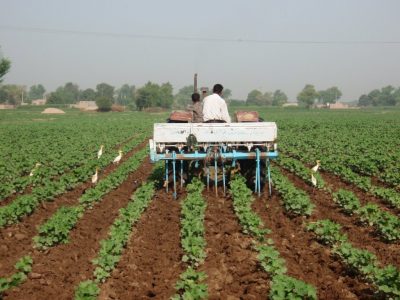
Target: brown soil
(64,266)
(305,258)
(360,236)
(151,264)
(335,183)
(16,240)
(231,265)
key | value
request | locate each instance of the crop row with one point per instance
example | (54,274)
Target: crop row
(191,283)
(363,262)
(57,153)
(112,247)
(356,259)
(361,142)
(23,267)
(282,286)
(386,224)
(26,204)
(56,229)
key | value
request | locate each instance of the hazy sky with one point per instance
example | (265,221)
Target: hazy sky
(244,45)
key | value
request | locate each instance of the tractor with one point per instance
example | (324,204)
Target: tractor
(215,151)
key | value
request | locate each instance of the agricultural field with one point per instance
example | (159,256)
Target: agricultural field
(125,237)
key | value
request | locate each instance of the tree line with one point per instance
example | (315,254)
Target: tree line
(161,95)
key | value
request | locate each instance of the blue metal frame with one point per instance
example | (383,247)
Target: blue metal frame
(234,156)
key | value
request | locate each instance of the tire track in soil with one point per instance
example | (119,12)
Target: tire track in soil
(28,190)
(305,258)
(17,238)
(231,264)
(57,272)
(337,183)
(151,264)
(360,236)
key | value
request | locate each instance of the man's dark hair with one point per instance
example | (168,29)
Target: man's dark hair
(195,97)
(217,89)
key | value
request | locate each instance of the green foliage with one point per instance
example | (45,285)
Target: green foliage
(112,247)
(386,96)
(88,95)
(67,94)
(5,65)
(154,95)
(23,267)
(330,95)
(242,199)
(347,200)
(270,260)
(104,103)
(36,92)
(126,95)
(105,90)
(46,188)
(307,96)
(297,167)
(87,290)
(192,224)
(388,281)
(255,97)
(286,287)
(56,229)
(12,93)
(279,98)
(327,232)
(386,224)
(295,201)
(191,286)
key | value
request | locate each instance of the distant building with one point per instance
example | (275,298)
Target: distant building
(7,106)
(289,104)
(39,102)
(85,105)
(338,105)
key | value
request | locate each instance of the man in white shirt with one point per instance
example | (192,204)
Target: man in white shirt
(214,107)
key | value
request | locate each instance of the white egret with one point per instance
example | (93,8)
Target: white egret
(118,158)
(313,180)
(316,167)
(95,176)
(37,165)
(100,153)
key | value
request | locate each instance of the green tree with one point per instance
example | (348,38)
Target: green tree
(88,95)
(153,95)
(307,96)
(279,98)
(166,98)
(227,94)
(12,93)
(331,95)
(67,94)
(126,94)
(364,100)
(183,97)
(255,97)
(105,90)
(104,103)
(5,66)
(36,92)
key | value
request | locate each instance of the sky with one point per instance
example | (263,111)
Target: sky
(244,45)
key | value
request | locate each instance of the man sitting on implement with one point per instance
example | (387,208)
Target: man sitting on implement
(214,107)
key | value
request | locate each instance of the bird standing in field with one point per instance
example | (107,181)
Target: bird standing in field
(313,180)
(118,158)
(316,167)
(37,165)
(95,176)
(100,153)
